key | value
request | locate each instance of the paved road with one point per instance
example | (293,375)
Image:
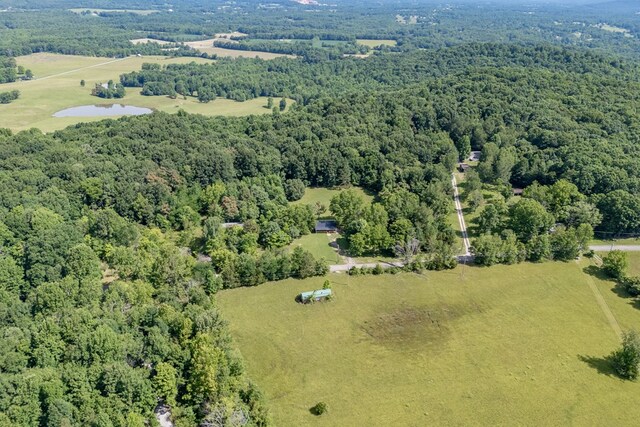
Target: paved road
(607,248)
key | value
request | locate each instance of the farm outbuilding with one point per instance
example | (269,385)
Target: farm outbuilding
(317,295)
(326,226)
(463,167)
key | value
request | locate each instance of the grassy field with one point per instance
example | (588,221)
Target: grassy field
(625,308)
(376,43)
(506,345)
(319,244)
(57,86)
(324,195)
(207,47)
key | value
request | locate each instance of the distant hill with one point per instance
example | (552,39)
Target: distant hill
(617,6)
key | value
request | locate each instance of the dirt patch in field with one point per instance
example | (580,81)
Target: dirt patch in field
(409,326)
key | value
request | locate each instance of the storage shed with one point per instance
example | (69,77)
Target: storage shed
(317,295)
(326,226)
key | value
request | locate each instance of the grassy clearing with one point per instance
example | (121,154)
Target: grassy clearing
(57,86)
(612,28)
(375,43)
(134,11)
(148,40)
(206,46)
(324,195)
(504,345)
(320,245)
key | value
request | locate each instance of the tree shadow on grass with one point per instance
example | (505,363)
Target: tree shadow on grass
(600,364)
(620,290)
(596,272)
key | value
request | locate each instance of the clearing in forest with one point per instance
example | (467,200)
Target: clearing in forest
(472,346)
(57,86)
(375,43)
(206,46)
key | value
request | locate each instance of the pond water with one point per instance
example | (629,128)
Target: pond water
(102,110)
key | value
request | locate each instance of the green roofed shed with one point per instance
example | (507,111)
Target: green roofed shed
(317,295)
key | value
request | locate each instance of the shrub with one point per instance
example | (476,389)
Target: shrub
(626,360)
(318,409)
(631,285)
(615,264)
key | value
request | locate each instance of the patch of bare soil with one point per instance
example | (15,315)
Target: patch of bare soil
(409,326)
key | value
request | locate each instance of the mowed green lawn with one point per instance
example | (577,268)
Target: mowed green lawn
(506,345)
(319,244)
(57,86)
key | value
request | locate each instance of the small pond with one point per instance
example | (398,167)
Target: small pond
(103,110)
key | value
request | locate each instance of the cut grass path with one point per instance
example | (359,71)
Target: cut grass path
(81,68)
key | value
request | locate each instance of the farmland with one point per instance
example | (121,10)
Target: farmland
(505,345)
(57,86)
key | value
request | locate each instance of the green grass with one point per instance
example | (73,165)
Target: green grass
(506,345)
(319,245)
(57,86)
(632,241)
(324,195)
(375,43)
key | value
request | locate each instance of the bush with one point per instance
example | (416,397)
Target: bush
(631,285)
(615,264)
(626,360)
(318,409)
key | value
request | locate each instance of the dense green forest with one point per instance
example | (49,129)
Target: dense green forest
(116,235)
(51,27)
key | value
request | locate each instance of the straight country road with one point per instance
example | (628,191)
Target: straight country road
(607,248)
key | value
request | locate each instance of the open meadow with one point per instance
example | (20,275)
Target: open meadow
(506,345)
(57,86)
(206,46)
